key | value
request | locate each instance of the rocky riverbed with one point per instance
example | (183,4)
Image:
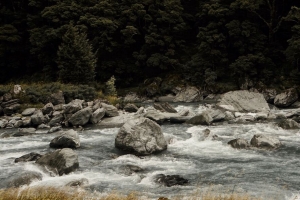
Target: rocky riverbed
(238,145)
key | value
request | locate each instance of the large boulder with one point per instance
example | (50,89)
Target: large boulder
(67,139)
(48,108)
(286,98)
(37,118)
(201,119)
(243,101)
(288,124)
(61,161)
(269,95)
(57,119)
(57,98)
(239,143)
(265,142)
(141,136)
(97,115)
(188,94)
(73,106)
(110,110)
(81,117)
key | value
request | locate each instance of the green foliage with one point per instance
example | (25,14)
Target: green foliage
(110,87)
(76,61)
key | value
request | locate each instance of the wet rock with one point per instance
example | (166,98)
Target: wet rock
(130,108)
(48,108)
(164,107)
(26,121)
(243,101)
(28,111)
(78,183)
(170,180)
(188,94)
(201,119)
(28,157)
(265,142)
(37,118)
(110,110)
(61,161)
(288,124)
(212,97)
(141,136)
(286,98)
(269,95)
(239,143)
(81,117)
(217,115)
(114,122)
(3,123)
(208,135)
(97,115)
(25,178)
(18,123)
(74,106)
(168,98)
(67,139)
(180,119)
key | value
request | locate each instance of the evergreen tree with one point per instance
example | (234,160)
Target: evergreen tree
(76,61)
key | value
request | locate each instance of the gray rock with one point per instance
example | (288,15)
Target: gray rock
(217,114)
(239,143)
(168,98)
(54,129)
(7,97)
(130,107)
(58,107)
(28,157)
(110,110)
(61,161)
(180,119)
(132,97)
(73,106)
(115,122)
(24,178)
(269,95)
(48,108)
(1,111)
(295,105)
(201,119)
(164,107)
(81,117)
(208,135)
(57,98)
(57,119)
(3,123)
(286,98)
(170,180)
(288,124)
(18,123)
(188,94)
(67,139)
(141,136)
(26,121)
(28,111)
(97,115)
(43,126)
(130,169)
(37,118)
(265,142)
(212,97)
(243,101)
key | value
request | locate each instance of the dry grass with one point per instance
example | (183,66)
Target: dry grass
(66,193)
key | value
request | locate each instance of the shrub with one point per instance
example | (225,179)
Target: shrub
(110,87)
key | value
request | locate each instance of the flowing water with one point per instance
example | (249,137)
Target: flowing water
(209,165)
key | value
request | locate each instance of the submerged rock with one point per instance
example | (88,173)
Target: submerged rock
(288,124)
(78,183)
(28,157)
(141,136)
(24,178)
(239,143)
(61,161)
(170,180)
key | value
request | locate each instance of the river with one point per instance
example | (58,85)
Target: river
(209,165)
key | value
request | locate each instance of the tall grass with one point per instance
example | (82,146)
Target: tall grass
(67,193)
